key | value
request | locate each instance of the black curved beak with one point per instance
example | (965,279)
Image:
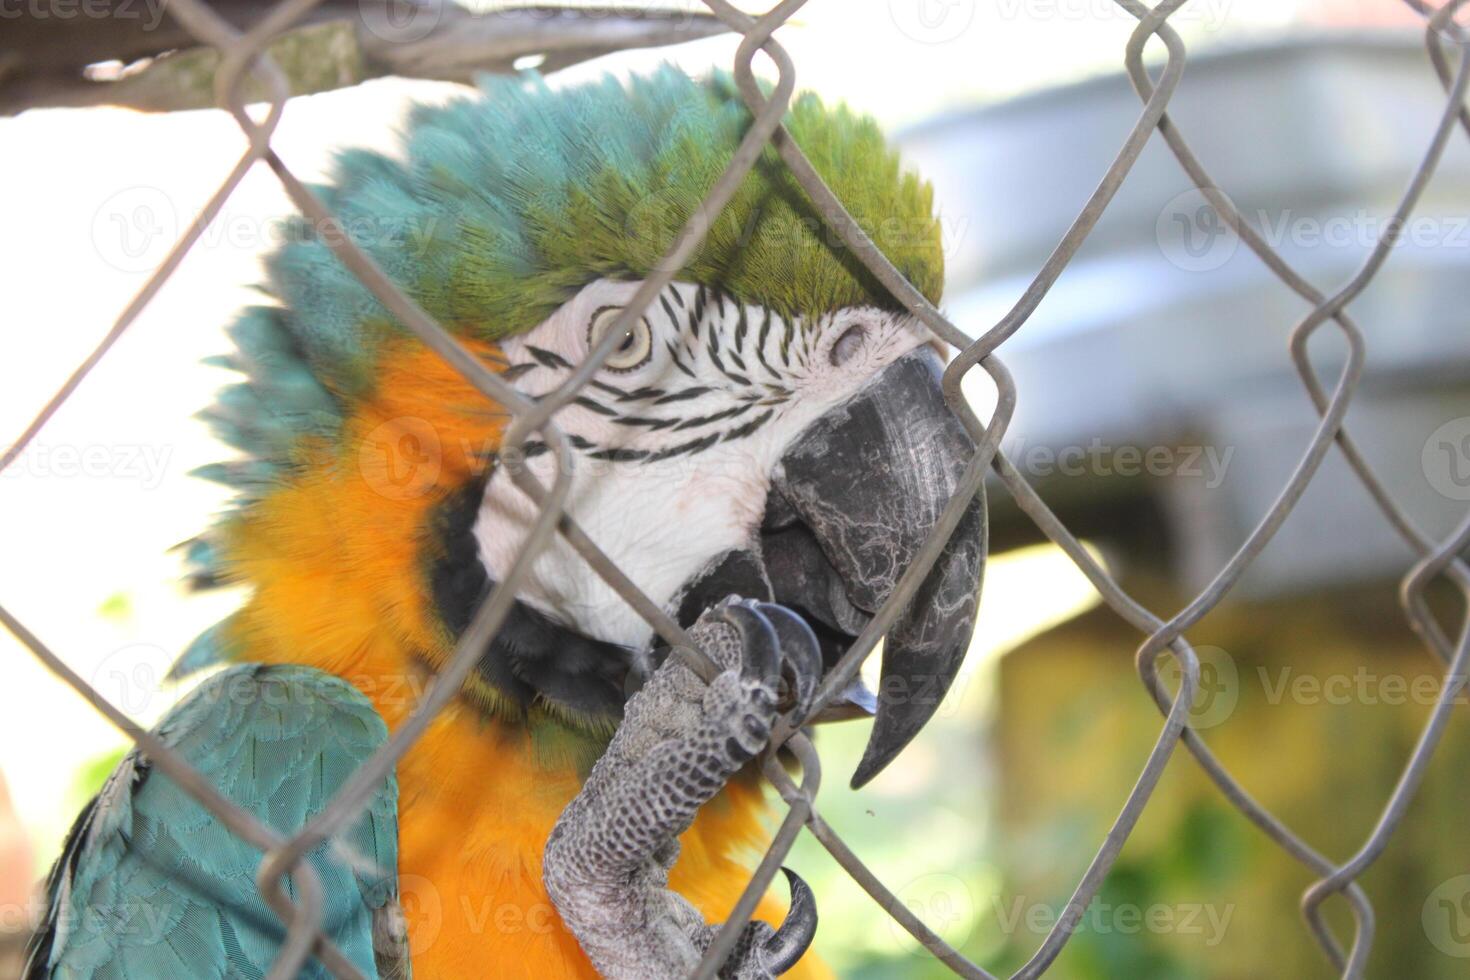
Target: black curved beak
(851,503)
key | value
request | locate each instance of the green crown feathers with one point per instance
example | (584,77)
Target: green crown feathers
(508,203)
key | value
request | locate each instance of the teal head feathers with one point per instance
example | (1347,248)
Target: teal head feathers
(505,205)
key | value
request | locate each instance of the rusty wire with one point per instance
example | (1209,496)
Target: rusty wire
(243,57)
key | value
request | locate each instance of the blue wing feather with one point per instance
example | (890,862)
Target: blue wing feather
(151,885)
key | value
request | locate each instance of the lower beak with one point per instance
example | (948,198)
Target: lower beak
(867,482)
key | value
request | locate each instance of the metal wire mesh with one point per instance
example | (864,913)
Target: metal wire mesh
(243,58)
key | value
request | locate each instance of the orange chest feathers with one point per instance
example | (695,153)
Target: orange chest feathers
(475,809)
(336,559)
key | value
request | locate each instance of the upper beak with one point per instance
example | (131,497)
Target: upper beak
(867,482)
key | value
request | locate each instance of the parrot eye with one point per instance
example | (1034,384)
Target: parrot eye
(847,345)
(635,349)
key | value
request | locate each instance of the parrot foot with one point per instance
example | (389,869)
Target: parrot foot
(608,858)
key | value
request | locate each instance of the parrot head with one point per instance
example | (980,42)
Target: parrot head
(728,449)
(771,425)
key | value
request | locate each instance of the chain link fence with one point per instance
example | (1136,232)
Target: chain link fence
(245,66)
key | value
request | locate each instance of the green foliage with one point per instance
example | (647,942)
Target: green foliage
(117,606)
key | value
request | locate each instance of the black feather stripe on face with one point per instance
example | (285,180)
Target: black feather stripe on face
(714,344)
(531,658)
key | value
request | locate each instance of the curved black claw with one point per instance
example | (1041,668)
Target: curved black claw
(801,651)
(760,645)
(778,649)
(789,943)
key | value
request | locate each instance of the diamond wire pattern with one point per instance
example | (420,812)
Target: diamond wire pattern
(243,57)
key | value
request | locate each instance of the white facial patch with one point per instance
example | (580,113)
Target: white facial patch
(673,444)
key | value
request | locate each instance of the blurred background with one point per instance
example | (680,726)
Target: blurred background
(1159,415)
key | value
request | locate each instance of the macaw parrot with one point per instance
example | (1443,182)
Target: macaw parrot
(763,454)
